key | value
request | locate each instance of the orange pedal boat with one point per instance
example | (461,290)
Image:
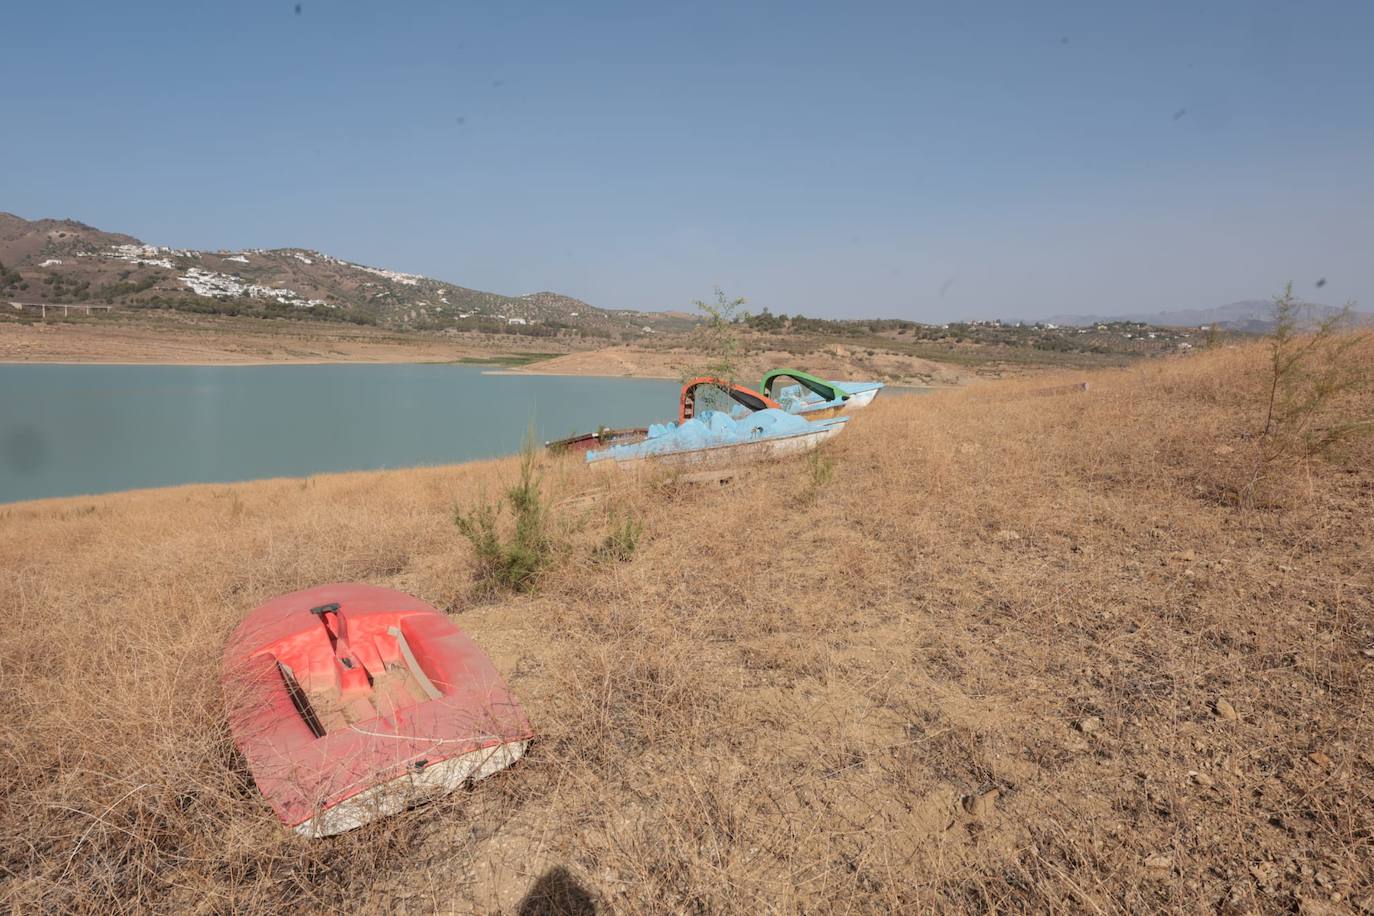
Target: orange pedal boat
(350,702)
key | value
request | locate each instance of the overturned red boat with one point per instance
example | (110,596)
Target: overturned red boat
(350,702)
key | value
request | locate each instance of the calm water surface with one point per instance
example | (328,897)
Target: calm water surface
(67,430)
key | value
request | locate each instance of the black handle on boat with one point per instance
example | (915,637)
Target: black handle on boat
(335,631)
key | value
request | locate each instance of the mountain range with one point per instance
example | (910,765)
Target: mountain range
(63,261)
(49,261)
(1250,315)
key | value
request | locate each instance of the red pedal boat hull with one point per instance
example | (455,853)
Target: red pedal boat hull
(350,702)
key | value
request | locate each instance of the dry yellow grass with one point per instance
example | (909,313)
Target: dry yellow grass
(1019,653)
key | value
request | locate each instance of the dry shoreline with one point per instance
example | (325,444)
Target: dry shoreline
(238,364)
(395,362)
(890,388)
(178,340)
(175,341)
(571,374)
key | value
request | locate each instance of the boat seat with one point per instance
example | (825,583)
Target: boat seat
(371,678)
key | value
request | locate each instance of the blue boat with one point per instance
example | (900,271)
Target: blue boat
(716,437)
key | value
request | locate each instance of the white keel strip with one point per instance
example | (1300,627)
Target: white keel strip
(426,784)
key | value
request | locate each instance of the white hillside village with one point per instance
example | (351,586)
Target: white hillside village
(209,283)
(213,284)
(127,272)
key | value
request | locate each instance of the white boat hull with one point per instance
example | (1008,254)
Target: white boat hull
(775,447)
(414,788)
(861,398)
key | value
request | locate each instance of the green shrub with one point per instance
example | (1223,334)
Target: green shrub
(718,336)
(820,468)
(1309,382)
(622,540)
(513,562)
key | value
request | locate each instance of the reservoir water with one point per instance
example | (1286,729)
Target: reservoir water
(67,430)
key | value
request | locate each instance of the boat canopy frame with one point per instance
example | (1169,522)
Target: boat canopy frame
(827,390)
(746,397)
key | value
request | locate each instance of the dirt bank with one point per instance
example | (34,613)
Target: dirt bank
(227,341)
(834,362)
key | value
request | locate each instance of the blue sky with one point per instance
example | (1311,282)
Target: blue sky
(904,160)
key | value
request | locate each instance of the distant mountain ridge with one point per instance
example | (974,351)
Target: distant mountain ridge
(65,261)
(1248,315)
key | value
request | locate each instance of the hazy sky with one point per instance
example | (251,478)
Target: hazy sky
(913,160)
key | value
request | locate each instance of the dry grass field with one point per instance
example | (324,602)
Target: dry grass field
(1083,653)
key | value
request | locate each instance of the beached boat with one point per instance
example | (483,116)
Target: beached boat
(707,393)
(861,394)
(716,438)
(602,438)
(804,394)
(698,397)
(818,397)
(350,702)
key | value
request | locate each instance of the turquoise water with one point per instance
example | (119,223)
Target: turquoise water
(67,430)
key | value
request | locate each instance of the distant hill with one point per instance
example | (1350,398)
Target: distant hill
(1255,315)
(64,261)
